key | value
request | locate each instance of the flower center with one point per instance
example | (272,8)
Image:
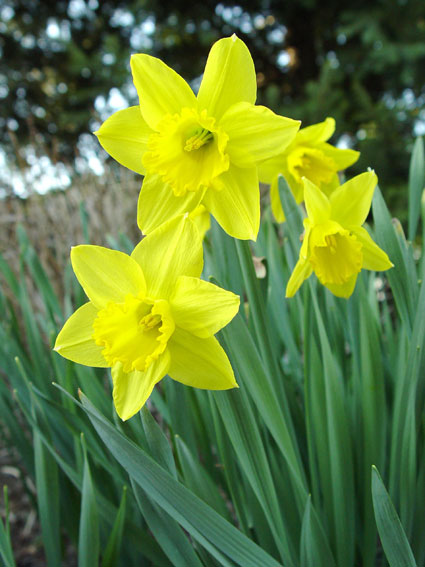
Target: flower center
(134,333)
(198,138)
(311,163)
(335,256)
(188,151)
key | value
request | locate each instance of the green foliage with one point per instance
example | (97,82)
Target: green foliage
(277,472)
(394,540)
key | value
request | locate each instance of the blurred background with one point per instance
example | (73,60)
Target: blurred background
(64,68)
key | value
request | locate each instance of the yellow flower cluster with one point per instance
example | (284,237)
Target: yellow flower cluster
(149,314)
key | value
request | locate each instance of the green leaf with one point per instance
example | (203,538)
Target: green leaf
(200,520)
(403,282)
(416,185)
(245,357)
(159,445)
(167,532)
(340,449)
(315,550)
(113,547)
(88,540)
(47,485)
(6,551)
(294,219)
(240,423)
(394,541)
(198,480)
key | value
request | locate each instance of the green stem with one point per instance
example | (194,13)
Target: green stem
(258,314)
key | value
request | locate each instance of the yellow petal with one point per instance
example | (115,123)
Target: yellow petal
(201,363)
(317,204)
(275,202)
(229,77)
(304,251)
(132,389)
(125,136)
(106,275)
(342,158)
(343,290)
(75,341)
(202,219)
(256,133)
(236,206)
(329,188)
(374,258)
(158,203)
(161,90)
(201,307)
(174,249)
(301,272)
(351,202)
(270,168)
(316,132)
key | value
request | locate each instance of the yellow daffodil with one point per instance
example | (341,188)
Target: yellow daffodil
(198,149)
(335,245)
(201,218)
(307,156)
(149,314)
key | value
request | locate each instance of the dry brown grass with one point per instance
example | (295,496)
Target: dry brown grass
(53,221)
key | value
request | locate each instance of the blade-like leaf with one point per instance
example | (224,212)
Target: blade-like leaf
(88,541)
(167,532)
(46,480)
(112,551)
(416,185)
(315,550)
(394,541)
(6,551)
(201,521)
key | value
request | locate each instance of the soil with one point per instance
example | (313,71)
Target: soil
(24,525)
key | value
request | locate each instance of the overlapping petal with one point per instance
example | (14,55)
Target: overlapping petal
(201,307)
(275,201)
(174,249)
(229,77)
(201,363)
(161,90)
(317,204)
(256,133)
(132,389)
(301,272)
(75,341)
(320,132)
(236,206)
(106,275)
(343,290)
(202,219)
(270,168)
(351,202)
(342,158)
(374,258)
(158,203)
(125,136)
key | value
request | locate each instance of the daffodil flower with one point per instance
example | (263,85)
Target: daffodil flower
(202,220)
(149,314)
(308,156)
(198,149)
(336,246)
